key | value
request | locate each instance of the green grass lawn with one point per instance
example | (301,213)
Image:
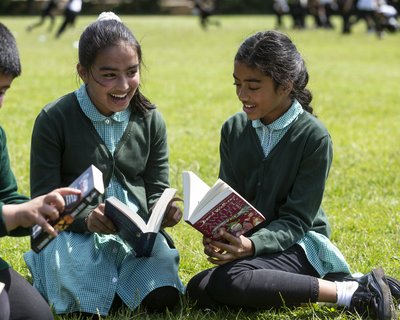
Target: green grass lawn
(355,81)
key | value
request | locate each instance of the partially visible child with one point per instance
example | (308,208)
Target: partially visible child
(281,8)
(107,122)
(71,11)
(18,299)
(49,10)
(289,259)
(205,9)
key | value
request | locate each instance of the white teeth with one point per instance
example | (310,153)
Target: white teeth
(119,95)
(249,106)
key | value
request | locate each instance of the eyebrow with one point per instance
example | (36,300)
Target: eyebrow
(248,80)
(106,68)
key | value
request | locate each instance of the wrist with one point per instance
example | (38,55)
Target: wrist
(10,216)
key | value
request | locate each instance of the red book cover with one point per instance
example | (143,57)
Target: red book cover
(233,214)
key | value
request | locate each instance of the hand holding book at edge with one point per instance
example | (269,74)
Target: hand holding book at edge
(97,221)
(37,211)
(173,214)
(220,252)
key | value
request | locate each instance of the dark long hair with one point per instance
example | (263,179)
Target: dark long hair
(102,34)
(274,54)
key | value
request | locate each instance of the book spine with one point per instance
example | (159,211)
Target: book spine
(144,244)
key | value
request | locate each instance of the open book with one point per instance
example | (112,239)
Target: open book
(90,182)
(139,235)
(220,207)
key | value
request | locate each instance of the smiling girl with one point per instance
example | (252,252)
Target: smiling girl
(109,123)
(287,260)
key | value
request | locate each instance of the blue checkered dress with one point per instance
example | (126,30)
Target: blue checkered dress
(83,272)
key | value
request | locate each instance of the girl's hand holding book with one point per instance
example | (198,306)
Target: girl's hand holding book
(221,252)
(173,215)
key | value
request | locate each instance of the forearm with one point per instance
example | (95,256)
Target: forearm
(10,221)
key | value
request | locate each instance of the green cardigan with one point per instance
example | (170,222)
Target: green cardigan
(8,192)
(287,186)
(65,143)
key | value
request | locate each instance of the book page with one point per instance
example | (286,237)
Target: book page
(199,198)
(157,215)
(124,210)
(211,202)
(218,188)
(194,190)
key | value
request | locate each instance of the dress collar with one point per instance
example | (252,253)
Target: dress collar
(284,120)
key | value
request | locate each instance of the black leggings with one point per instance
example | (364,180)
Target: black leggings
(20,299)
(262,282)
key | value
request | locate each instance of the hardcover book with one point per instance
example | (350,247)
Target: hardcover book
(90,182)
(138,234)
(219,207)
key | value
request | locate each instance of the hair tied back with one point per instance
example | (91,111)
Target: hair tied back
(108,16)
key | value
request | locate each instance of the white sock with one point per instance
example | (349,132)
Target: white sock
(345,291)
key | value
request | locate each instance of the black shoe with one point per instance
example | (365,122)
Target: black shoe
(394,286)
(373,297)
(393,283)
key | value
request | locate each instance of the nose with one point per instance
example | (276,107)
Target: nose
(242,94)
(123,82)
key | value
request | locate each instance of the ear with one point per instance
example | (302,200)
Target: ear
(286,88)
(83,72)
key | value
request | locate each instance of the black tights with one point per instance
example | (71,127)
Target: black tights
(19,300)
(263,282)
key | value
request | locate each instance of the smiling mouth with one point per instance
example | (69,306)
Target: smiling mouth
(119,96)
(249,106)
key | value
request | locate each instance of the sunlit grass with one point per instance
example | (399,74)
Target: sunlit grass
(355,81)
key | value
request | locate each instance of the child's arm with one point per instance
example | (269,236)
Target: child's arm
(36,211)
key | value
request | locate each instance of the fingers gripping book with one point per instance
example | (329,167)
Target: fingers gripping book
(219,207)
(90,182)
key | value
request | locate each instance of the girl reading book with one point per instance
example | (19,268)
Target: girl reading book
(107,122)
(288,259)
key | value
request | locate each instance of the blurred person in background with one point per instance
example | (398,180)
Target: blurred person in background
(48,10)
(281,8)
(205,9)
(72,9)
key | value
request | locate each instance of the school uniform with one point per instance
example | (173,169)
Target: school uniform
(281,168)
(81,271)
(18,298)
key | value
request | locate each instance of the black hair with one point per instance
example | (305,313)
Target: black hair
(274,54)
(103,34)
(10,63)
